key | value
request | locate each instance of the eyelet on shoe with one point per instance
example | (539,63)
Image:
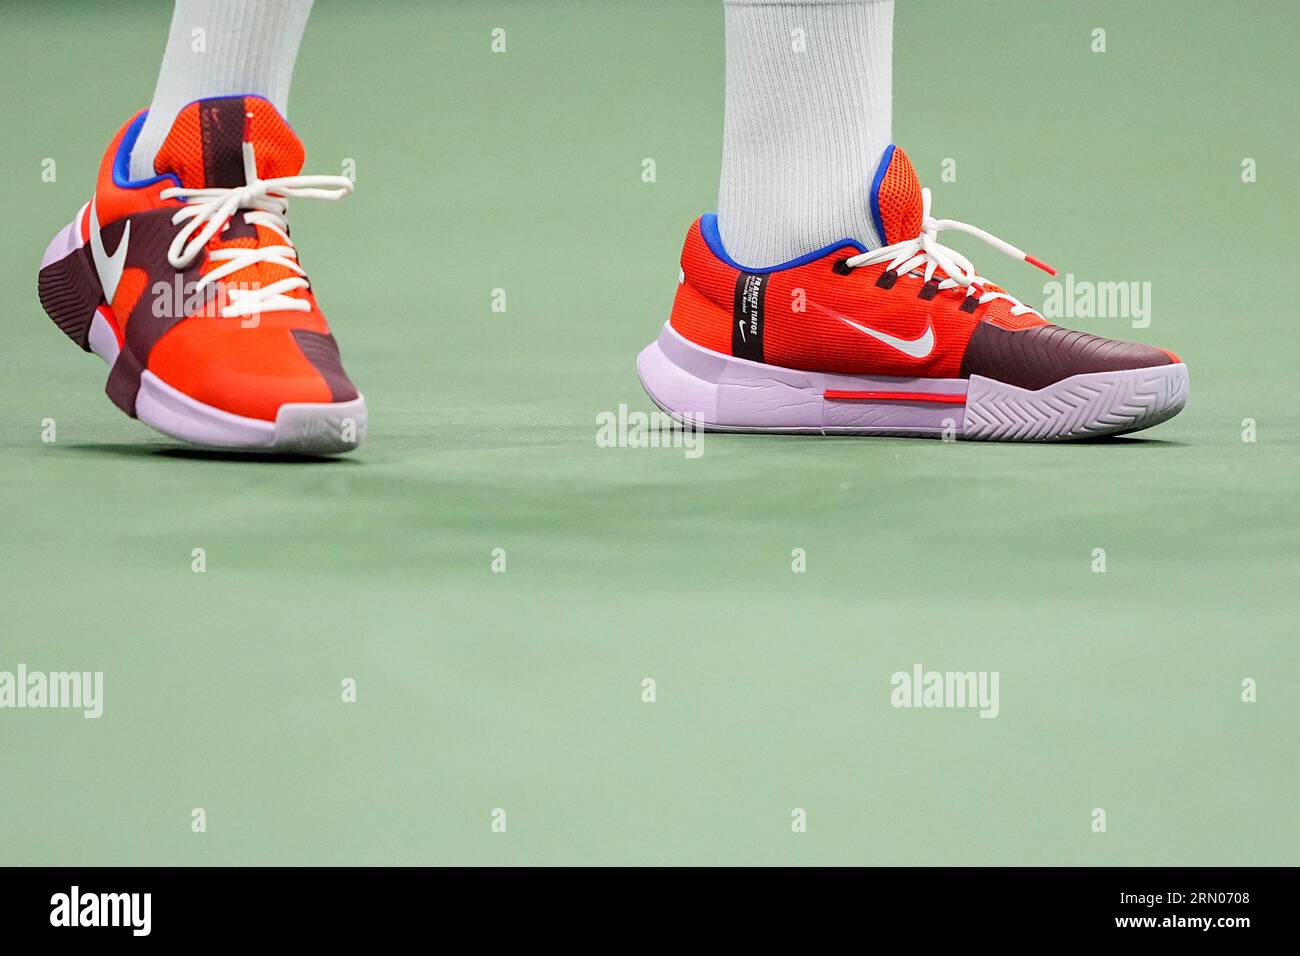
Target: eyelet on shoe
(929,290)
(887,279)
(968,304)
(841,267)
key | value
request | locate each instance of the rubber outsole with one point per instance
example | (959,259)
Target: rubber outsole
(71,295)
(722,393)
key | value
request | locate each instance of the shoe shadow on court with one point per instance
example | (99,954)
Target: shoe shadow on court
(1134,441)
(201,454)
(1125,440)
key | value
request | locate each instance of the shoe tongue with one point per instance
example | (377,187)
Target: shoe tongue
(896,198)
(205,148)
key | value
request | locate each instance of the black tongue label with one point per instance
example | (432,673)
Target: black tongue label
(221,124)
(747,316)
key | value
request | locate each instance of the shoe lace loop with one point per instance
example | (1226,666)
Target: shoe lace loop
(925,249)
(265,202)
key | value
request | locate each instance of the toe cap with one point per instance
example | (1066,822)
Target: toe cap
(1039,356)
(251,372)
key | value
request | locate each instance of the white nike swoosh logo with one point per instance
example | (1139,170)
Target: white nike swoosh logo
(917,348)
(109,267)
(741,322)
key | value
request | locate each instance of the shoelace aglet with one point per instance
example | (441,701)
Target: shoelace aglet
(1041,264)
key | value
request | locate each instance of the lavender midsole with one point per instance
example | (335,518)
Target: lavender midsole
(724,392)
(67,240)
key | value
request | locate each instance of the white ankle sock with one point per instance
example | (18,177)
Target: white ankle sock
(805,128)
(248,46)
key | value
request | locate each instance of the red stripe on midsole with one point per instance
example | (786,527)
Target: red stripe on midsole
(942,398)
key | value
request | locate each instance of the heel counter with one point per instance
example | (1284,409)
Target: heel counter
(697,318)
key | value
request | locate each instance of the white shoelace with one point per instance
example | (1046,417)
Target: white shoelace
(926,250)
(266,202)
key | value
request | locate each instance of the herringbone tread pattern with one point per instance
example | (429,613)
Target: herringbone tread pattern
(1103,403)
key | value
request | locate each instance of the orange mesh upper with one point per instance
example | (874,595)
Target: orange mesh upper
(248,371)
(197,133)
(803,327)
(260,274)
(111,203)
(245,366)
(182,152)
(899,200)
(279,151)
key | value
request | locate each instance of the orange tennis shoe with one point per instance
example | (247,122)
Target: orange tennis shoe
(189,287)
(903,340)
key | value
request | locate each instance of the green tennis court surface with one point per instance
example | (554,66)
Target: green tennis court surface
(522,690)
